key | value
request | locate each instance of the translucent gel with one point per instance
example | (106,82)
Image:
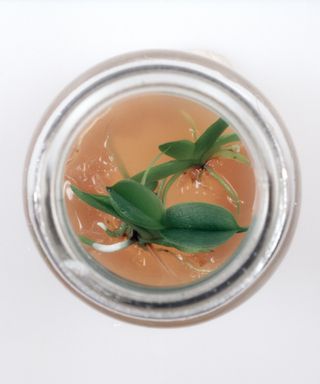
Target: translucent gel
(128,134)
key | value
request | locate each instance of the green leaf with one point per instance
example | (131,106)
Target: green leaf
(201,216)
(197,227)
(164,170)
(101,202)
(180,150)
(220,142)
(226,139)
(205,143)
(152,185)
(233,156)
(136,204)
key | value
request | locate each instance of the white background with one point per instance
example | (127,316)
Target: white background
(47,335)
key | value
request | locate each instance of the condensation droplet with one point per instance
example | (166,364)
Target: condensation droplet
(105,144)
(67,189)
(76,267)
(284,174)
(235,148)
(139,257)
(79,221)
(101,225)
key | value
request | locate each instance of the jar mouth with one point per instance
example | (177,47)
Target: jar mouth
(217,88)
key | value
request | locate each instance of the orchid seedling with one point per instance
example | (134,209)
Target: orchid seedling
(212,144)
(139,202)
(189,227)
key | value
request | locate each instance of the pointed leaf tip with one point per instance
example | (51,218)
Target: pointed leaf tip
(205,143)
(100,202)
(179,150)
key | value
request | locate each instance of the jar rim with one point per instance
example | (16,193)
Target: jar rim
(205,81)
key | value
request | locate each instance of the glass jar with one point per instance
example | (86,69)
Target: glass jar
(216,87)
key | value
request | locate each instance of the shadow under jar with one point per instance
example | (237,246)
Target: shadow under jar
(107,125)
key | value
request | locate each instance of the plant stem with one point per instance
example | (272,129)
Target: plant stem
(225,139)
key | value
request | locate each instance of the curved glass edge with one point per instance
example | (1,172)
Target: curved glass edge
(158,301)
